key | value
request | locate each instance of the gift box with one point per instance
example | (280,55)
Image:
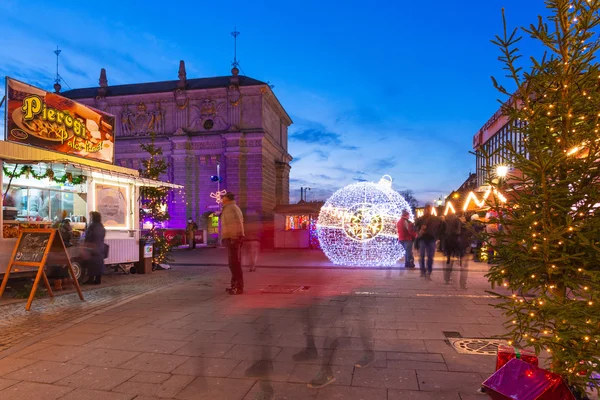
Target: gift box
(518,380)
(507,353)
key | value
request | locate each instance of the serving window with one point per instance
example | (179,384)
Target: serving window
(30,202)
(297,222)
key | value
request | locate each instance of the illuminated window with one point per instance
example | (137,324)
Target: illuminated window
(296,222)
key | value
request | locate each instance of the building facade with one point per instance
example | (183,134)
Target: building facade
(231,124)
(489,144)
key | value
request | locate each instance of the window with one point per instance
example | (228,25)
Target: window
(297,222)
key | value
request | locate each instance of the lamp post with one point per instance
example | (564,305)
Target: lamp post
(220,239)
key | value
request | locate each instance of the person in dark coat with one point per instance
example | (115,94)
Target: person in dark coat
(94,247)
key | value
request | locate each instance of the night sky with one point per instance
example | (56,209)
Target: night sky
(373,88)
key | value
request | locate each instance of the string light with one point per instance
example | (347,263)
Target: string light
(357,224)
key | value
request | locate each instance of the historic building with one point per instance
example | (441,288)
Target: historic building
(233,124)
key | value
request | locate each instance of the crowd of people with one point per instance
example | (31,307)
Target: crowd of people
(454,234)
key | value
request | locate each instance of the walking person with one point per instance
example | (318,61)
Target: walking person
(232,233)
(251,246)
(406,235)
(453,244)
(94,249)
(428,228)
(190,233)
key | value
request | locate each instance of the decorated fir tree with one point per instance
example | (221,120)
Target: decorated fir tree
(154,200)
(548,247)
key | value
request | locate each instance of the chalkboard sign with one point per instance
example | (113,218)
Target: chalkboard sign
(32,246)
(31,250)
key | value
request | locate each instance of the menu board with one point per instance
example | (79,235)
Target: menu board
(47,120)
(32,246)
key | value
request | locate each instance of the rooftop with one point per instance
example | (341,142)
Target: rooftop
(160,87)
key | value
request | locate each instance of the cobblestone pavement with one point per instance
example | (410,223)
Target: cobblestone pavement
(18,325)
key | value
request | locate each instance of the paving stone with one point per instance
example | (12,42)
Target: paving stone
(137,388)
(406,346)
(4,383)
(104,357)
(137,344)
(30,349)
(333,392)
(87,394)
(44,372)
(98,378)
(200,349)
(351,357)
(200,366)
(448,381)
(427,357)
(385,378)
(286,354)
(32,390)
(304,373)
(250,352)
(412,365)
(174,385)
(11,364)
(72,339)
(282,390)
(216,388)
(150,377)
(155,362)
(281,371)
(57,353)
(90,328)
(412,395)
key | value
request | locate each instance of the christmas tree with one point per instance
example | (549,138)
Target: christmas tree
(154,200)
(548,245)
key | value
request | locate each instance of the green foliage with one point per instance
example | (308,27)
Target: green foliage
(154,199)
(548,252)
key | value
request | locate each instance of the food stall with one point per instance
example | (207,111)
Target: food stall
(295,225)
(57,162)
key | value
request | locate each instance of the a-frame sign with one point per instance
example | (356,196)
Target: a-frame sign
(31,250)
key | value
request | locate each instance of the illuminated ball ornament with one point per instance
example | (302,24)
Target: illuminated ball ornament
(357,224)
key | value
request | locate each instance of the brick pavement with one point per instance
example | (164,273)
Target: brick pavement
(192,341)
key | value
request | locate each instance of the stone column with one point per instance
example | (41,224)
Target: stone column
(282,184)
(180,207)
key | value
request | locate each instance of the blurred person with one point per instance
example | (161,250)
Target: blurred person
(428,227)
(406,236)
(491,229)
(94,249)
(477,227)
(454,244)
(190,233)
(252,239)
(232,233)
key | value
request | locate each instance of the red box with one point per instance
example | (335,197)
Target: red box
(507,353)
(518,380)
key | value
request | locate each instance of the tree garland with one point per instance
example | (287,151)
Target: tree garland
(27,170)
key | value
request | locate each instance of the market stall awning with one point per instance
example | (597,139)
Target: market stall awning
(15,153)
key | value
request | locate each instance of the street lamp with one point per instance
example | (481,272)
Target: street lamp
(501,171)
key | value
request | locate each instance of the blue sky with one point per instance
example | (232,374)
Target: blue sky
(379,87)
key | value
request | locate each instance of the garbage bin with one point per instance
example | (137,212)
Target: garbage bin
(145,264)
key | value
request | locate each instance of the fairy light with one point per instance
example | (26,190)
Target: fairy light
(357,224)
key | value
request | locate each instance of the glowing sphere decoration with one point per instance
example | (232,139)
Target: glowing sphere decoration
(357,224)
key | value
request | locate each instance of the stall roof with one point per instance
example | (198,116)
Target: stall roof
(19,154)
(298,209)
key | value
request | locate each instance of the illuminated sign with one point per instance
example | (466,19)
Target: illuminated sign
(49,121)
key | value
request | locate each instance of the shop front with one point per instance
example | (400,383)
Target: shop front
(295,226)
(62,169)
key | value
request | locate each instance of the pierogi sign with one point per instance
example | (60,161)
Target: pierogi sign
(43,119)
